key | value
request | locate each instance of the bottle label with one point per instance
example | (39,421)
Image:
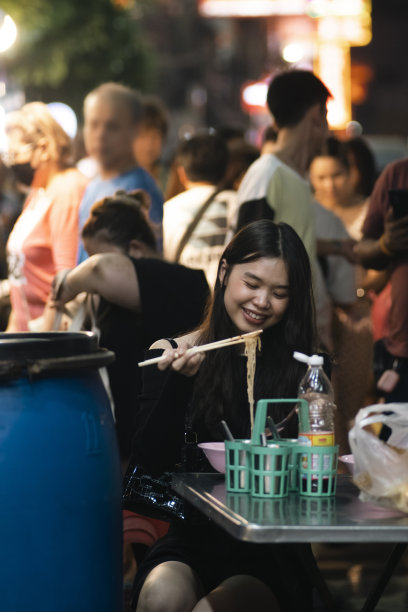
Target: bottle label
(323,438)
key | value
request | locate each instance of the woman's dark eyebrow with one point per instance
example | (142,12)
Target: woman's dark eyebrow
(253,276)
(259,280)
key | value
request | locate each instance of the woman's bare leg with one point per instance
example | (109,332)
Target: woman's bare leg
(172,586)
(239,594)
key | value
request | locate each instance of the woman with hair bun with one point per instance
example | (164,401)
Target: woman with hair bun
(140,295)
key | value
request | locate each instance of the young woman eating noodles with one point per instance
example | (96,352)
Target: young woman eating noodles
(263,282)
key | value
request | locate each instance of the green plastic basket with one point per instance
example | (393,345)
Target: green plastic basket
(262,411)
(295,450)
(274,467)
(237,474)
(269,467)
(318,470)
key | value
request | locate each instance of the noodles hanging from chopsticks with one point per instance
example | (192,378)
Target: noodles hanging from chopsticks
(251,345)
(206,347)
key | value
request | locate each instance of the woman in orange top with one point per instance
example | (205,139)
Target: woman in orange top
(44,239)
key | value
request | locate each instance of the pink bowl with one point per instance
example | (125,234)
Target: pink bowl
(215,453)
(349,461)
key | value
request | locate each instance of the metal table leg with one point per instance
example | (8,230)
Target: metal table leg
(316,577)
(378,589)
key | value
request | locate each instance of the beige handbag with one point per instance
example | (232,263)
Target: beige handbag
(86,309)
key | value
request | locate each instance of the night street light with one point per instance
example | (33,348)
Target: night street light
(8,31)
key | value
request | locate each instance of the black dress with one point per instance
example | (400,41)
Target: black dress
(205,547)
(173,300)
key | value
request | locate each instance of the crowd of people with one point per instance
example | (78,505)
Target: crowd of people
(297,239)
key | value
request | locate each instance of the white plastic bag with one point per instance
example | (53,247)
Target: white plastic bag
(381,468)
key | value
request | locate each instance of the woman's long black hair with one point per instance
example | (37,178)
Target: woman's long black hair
(220,388)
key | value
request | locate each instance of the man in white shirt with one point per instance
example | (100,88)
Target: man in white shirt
(274,186)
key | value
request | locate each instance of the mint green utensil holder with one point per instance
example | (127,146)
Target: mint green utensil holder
(295,450)
(318,470)
(262,411)
(237,474)
(269,467)
(290,444)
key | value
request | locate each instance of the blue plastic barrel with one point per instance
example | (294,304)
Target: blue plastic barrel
(60,478)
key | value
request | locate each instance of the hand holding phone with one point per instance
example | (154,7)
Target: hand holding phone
(395,234)
(399,202)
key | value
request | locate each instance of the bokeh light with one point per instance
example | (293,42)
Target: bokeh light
(8,33)
(293,52)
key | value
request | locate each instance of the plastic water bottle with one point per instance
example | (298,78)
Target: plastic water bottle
(316,426)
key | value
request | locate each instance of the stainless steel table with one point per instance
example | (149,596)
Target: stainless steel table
(342,518)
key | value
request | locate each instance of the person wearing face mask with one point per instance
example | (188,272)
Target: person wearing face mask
(44,239)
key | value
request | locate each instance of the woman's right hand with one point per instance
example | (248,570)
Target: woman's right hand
(180,361)
(60,293)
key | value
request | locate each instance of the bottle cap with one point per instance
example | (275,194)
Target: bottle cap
(313,360)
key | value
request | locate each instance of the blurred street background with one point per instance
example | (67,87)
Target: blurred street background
(210,60)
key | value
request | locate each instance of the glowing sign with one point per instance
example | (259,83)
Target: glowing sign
(337,8)
(333,67)
(353,30)
(265,8)
(251,8)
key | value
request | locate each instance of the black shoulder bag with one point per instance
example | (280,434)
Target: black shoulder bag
(153,496)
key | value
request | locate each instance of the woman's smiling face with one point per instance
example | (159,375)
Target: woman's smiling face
(256,293)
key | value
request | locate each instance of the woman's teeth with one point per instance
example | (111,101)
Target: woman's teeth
(253,315)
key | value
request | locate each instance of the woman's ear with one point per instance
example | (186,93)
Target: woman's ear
(222,274)
(136,249)
(43,147)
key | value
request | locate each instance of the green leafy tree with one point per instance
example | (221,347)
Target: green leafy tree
(66,48)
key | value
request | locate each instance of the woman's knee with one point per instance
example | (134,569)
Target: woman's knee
(239,593)
(170,587)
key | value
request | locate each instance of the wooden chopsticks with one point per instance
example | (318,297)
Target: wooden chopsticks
(205,347)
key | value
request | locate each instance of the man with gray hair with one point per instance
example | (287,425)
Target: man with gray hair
(112,113)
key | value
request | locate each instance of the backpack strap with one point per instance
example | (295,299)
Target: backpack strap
(195,221)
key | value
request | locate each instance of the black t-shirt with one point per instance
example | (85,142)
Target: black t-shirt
(173,300)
